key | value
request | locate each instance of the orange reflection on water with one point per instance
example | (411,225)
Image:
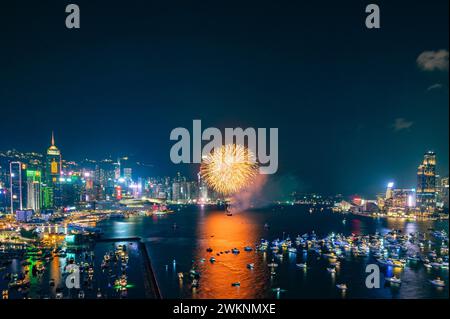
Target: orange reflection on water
(222,233)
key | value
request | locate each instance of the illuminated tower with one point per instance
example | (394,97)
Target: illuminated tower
(52,175)
(389,192)
(16,186)
(426,183)
(34,189)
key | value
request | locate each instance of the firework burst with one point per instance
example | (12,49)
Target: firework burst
(229,169)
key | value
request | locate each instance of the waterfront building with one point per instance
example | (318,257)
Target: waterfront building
(404,199)
(426,183)
(443,192)
(202,189)
(176,196)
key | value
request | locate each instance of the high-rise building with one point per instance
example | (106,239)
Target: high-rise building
(16,185)
(443,192)
(128,174)
(52,175)
(404,198)
(176,191)
(426,183)
(34,189)
(389,191)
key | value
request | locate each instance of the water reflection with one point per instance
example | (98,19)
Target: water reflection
(223,233)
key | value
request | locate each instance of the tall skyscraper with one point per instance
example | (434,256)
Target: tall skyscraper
(52,175)
(426,183)
(34,190)
(17,192)
(128,173)
(389,191)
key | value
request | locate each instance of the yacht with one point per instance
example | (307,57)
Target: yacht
(342,286)
(438,282)
(394,280)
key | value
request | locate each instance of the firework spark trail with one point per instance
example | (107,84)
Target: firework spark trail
(229,169)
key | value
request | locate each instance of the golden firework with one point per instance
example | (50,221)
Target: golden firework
(229,169)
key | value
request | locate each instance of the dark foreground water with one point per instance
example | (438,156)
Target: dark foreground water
(197,229)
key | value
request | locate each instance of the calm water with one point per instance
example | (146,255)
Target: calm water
(199,229)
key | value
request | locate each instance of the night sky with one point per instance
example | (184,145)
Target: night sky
(353,107)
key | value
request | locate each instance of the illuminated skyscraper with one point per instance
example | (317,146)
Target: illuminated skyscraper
(426,183)
(128,174)
(389,192)
(34,190)
(52,175)
(16,183)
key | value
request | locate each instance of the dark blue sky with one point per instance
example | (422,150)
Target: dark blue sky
(137,69)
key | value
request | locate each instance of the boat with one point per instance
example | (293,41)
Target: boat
(99,294)
(331,270)
(236,284)
(235,251)
(212,259)
(292,250)
(302,265)
(81,294)
(250,266)
(342,286)
(248,248)
(394,280)
(438,282)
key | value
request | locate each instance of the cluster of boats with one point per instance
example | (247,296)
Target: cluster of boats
(114,265)
(394,249)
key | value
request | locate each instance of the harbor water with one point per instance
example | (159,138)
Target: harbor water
(178,242)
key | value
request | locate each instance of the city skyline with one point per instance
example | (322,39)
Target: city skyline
(193,175)
(237,151)
(350,117)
